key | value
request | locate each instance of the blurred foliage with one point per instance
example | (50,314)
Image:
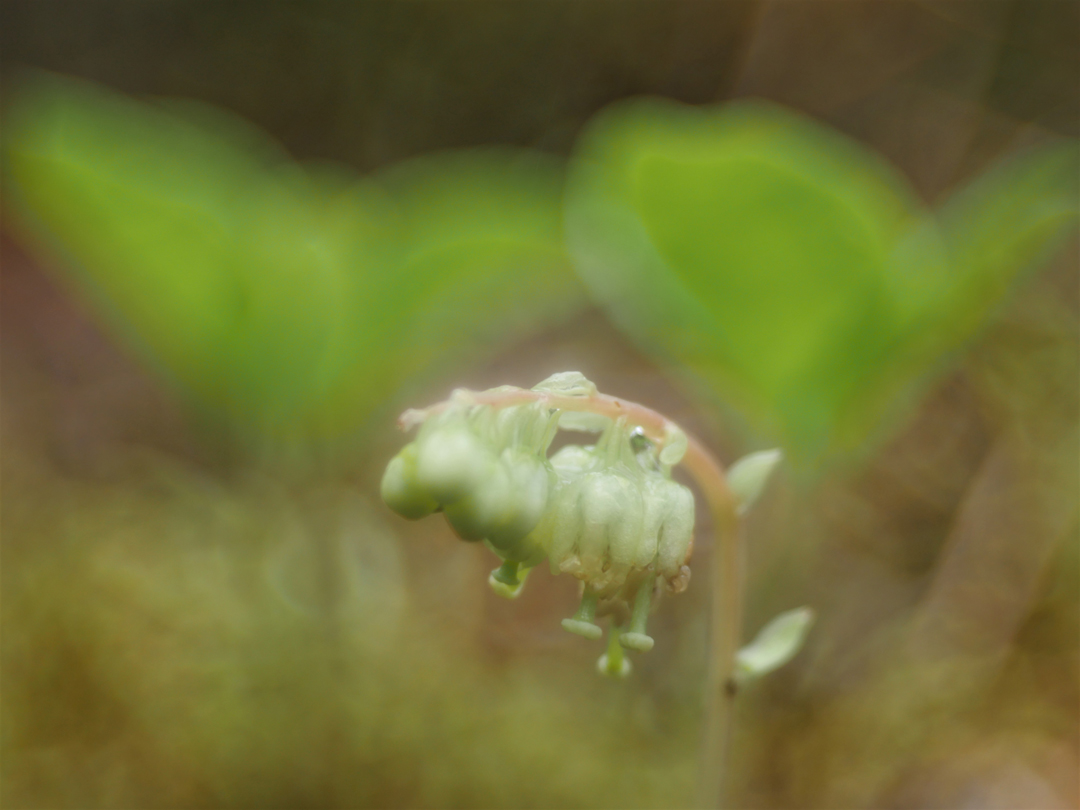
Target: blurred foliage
(784,266)
(792,269)
(288,300)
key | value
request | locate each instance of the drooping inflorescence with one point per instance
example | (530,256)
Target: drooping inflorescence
(608,514)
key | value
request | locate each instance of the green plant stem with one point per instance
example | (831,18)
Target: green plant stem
(725,625)
(726,580)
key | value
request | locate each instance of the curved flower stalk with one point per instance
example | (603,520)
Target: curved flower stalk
(609,514)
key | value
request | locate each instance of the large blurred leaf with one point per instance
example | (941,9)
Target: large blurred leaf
(288,301)
(483,232)
(786,267)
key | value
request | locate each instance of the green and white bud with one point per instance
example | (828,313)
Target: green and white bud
(573,461)
(530,482)
(749,475)
(451,462)
(654,510)
(611,511)
(676,537)
(624,529)
(602,498)
(565,526)
(400,489)
(486,508)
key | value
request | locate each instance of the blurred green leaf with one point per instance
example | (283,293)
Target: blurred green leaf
(1004,223)
(289,301)
(784,266)
(484,253)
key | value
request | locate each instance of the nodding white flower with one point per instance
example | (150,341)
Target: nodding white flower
(614,513)
(608,514)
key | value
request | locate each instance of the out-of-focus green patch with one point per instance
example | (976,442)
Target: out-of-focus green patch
(289,302)
(483,253)
(790,269)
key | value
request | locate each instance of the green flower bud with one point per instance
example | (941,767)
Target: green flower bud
(564,527)
(676,536)
(486,468)
(528,428)
(611,512)
(572,461)
(488,506)
(656,506)
(530,481)
(400,489)
(451,462)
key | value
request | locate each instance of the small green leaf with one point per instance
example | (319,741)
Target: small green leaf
(749,475)
(776,644)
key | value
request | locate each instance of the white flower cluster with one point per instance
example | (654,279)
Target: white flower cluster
(608,514)
(485,469)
